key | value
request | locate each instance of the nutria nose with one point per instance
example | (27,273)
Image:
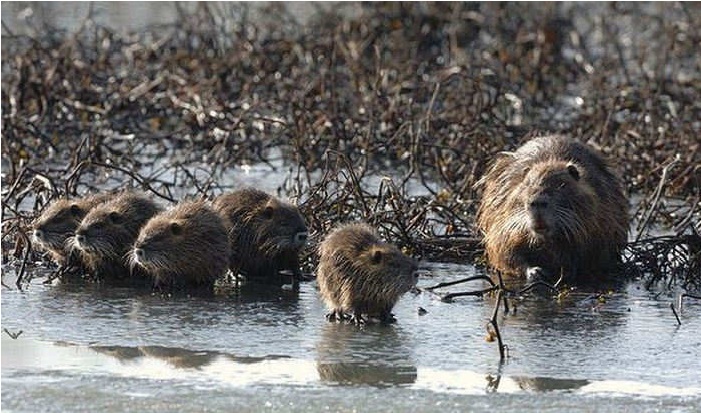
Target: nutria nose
(80,238)
(301,237)
(38,234)
(139,253)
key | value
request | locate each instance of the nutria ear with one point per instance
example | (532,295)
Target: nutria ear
(574,171)
(377,257)
(75,210)
(175,228)
(115,217)
(268,212)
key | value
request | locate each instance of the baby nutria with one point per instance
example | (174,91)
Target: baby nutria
(107,233)
(553,207)
(266,234)
(361,276)
(59,221)
(183,247)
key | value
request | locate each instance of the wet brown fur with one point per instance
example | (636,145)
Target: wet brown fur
(183,247)
(359,274)
(58,222)
(109,230)
(266,234)
(556,204)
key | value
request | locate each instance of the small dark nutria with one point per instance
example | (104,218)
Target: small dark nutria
(553,207)
(59,221)
(361,276)
(185,247)
(107,233)
(266,234)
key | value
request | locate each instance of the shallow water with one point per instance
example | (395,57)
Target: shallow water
(91,348)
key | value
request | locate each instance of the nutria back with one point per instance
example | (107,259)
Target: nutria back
(554,206)
(59,221)
(184,247)
(360,275)
(108,231)
(266,234)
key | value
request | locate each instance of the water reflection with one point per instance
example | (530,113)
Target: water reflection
(371,355)
(543,384)
(178,358)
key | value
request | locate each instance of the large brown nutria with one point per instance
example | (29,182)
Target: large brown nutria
(361,276)
(59,221)
(183,247)
(553,207)
(266,234)
(108,231)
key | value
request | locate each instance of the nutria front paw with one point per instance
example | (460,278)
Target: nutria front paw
(535,274)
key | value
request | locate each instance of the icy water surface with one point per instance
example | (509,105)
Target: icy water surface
(89,348)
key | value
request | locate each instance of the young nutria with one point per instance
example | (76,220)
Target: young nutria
(552,207)
(361,276)
(59,221)
(186,246)
(266,234)
(108,231)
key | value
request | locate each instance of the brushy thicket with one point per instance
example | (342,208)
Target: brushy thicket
(385,112)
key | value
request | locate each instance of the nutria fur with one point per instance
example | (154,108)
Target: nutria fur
(183,247)
(108,231)
(362,276)
(552,207)
(266,234)
(59,221)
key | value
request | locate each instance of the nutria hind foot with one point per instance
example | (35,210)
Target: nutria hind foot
(336,316)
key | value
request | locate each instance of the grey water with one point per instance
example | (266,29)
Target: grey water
(94,348)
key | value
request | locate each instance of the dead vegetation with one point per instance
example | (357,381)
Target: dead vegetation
(389,115)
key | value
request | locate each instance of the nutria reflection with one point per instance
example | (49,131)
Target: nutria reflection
(373,356)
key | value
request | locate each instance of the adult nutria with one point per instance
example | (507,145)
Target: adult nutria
(59,221)
(553,207)
(183,247)
(266,234)
(361,276)
(107,233)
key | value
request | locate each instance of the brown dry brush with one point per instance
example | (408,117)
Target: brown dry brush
(389,114)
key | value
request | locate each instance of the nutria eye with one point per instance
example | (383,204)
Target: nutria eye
(75,210)
(115,217)
(175,228)
(268,212)
(377,257)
